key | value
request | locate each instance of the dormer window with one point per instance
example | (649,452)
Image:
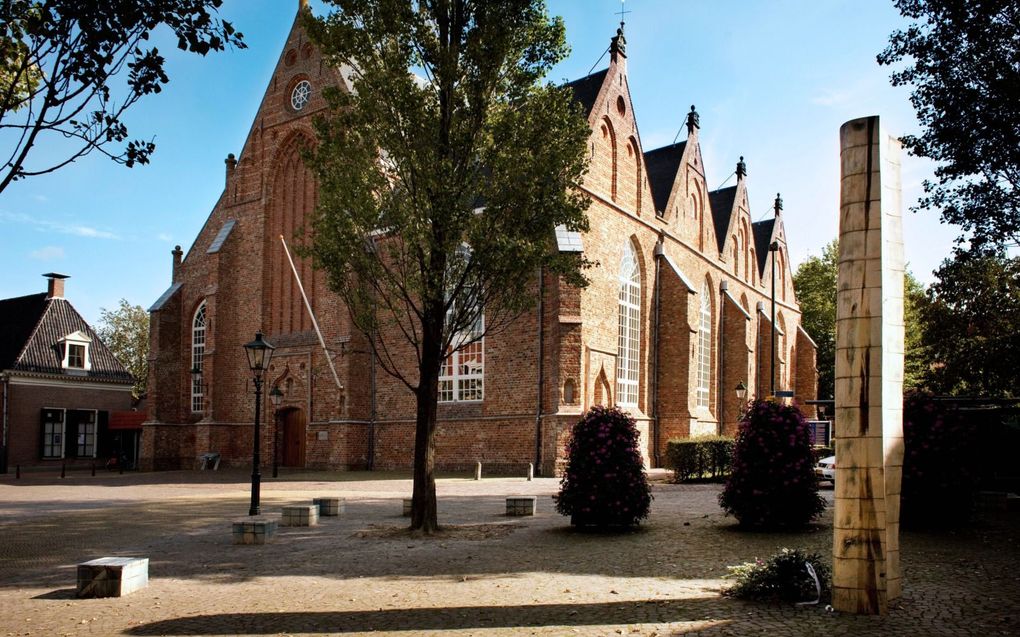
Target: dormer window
(75,350)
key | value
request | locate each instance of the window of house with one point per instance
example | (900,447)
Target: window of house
(462,376)
(75,351)
(53,433)
(629,344)
(87,435)
(197,359)
(705,347)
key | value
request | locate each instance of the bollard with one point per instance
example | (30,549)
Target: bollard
(17,472)
(93,470)
(478,471)
(531,471)
(63,469)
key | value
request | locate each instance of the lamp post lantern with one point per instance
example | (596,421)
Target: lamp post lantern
(276,397)
(741,390)
(259,352)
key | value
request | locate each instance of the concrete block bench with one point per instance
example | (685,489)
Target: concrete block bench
(330,507)
(112,576)
(521,505)
(407,507)
(300,515)
(253,530)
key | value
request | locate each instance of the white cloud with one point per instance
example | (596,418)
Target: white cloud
(832,98)
(74,229)
(48,253)
(165,237)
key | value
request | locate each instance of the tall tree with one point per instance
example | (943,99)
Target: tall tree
(69,70)
(970,325)
(125,331)
(815,282)
(815,285)
(443,177)
(963,63)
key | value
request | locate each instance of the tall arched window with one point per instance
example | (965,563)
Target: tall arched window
(629,349)
(197,358)
(705,346)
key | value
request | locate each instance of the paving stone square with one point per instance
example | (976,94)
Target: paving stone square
(485,574)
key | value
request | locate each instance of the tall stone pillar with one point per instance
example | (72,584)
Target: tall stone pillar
(869,372)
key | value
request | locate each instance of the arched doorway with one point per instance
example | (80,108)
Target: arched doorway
(292,423)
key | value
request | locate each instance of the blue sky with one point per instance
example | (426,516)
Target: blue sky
(773,81)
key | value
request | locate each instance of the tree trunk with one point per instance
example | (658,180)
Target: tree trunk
(423,498)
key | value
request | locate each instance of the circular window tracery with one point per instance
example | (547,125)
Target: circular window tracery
(301,95)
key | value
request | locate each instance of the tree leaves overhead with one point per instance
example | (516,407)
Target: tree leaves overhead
(125,331)
(963,64)
(70,69)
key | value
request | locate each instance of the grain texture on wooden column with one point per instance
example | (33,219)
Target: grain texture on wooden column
(869,372)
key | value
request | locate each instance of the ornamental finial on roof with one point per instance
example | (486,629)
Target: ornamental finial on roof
(778,206)
(693,120)
(741,169)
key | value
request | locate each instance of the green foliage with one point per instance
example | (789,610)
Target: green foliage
(60,61)
(772,483)
(941,463)
(604,483)
(969,320)
(442,178)
(962,64)
(815,286)
(696,458)
(782,578)
(126,332)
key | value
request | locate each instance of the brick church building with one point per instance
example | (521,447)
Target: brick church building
(676,316)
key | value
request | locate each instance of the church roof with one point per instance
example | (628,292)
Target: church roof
(722,209)
(762,231)
(587,89)
(32,326)
(661,165)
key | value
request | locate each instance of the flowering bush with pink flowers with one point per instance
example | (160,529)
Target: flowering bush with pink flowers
(772,482)
(604,483)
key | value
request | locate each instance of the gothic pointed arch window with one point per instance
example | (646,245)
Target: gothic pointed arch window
(629,343)
(198,334)
(704,347)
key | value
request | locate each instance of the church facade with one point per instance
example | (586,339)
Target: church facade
(677,315)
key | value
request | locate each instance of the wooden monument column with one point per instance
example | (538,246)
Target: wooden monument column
(869,372)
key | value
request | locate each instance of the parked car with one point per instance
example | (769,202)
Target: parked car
(826,469)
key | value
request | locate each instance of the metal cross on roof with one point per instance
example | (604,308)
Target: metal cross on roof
(622,12)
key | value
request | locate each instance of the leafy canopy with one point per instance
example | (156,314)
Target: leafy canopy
(444,174)
(60,62)
(125,331)
(963,64)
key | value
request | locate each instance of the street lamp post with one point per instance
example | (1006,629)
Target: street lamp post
(259,352)
(276,397)
(774,249)
(741,390)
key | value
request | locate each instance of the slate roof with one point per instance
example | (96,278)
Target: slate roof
(661,166)
(762,231)
(722,208)
(587,89)
(30,328)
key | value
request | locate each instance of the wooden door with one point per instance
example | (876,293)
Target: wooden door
(294,438)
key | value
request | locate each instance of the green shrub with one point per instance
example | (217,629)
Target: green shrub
(783,578)
(772,483)
(696,458)
(604,483)
(941,467)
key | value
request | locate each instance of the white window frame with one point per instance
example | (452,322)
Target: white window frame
(198,340)
(462,376)
(76,339)
(83,436)
(704,368)
(628,359)
(49,435)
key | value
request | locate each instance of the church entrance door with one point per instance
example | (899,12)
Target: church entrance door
(294,438)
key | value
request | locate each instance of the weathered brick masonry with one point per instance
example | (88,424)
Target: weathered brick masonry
(689,244)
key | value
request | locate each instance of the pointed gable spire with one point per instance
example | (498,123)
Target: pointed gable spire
(618,46)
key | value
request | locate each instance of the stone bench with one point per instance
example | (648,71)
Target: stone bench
(253,530)
(407,507)
(330,507)
(112,576)
(521,505)
(300,515)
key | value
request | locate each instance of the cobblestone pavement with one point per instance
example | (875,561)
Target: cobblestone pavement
(486,575)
